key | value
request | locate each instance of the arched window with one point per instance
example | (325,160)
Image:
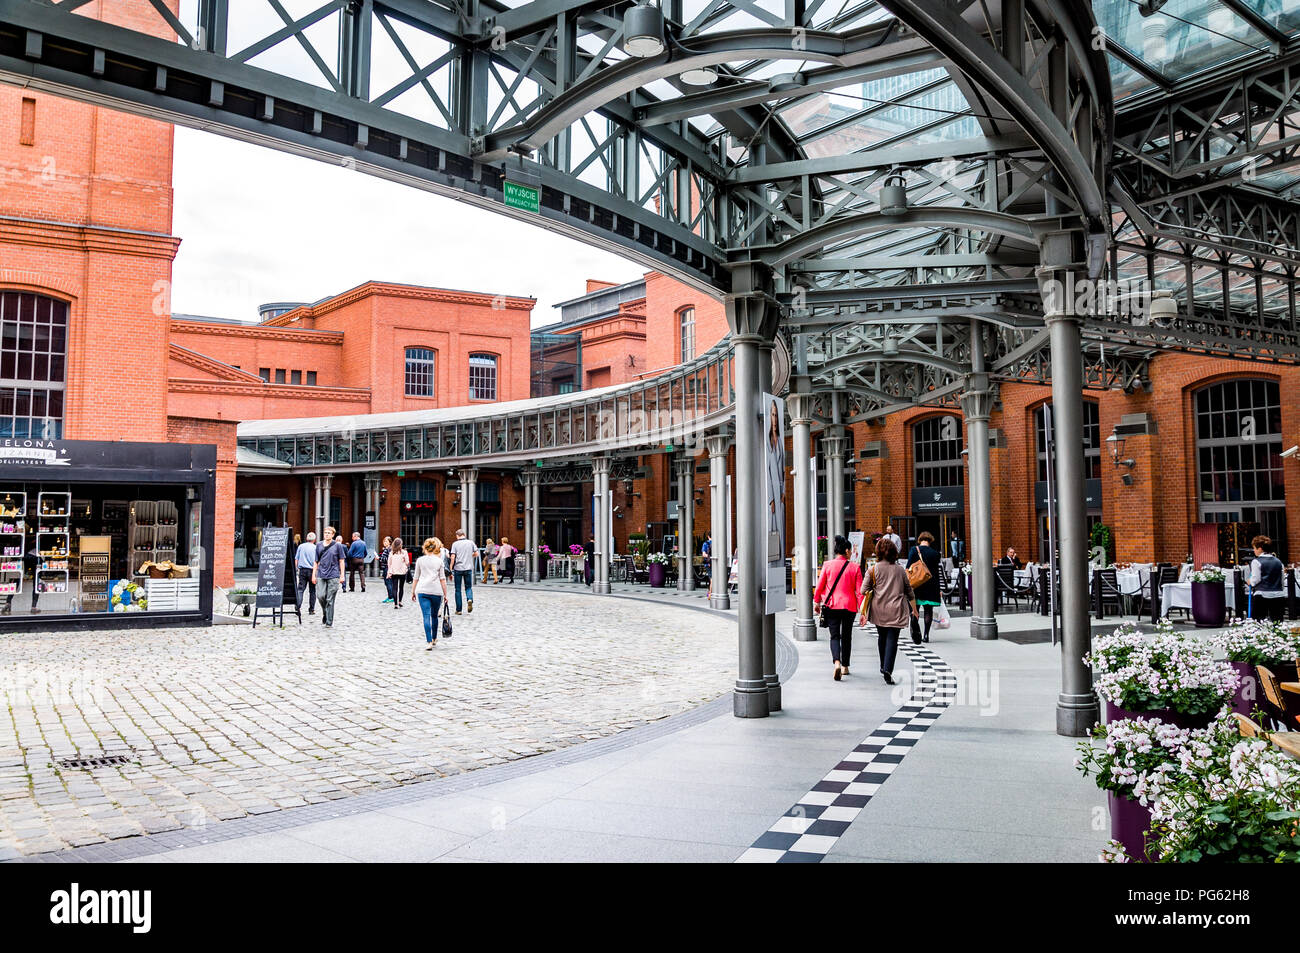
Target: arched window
(33,357)
(1239,455)
(686,327)
(936,452)
(419,372)
(482,377)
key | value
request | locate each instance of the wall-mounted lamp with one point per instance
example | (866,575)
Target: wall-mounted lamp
(1115,443)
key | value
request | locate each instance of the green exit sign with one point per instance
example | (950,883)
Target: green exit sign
(525,197)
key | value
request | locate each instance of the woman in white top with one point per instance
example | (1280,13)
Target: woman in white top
(399,561)
(430,588)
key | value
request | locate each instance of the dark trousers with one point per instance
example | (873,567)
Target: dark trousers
(388,585)
(887,640)
(397,587)
(305,585)
(508,569)
(356,566)
(840,625)
(916,623)
(1272,609)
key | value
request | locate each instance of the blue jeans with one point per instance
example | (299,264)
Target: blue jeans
(430,607)
(465,577)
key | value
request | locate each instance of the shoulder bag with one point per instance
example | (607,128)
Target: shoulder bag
(825,621)
(866,600)
(918,574)
(446,620)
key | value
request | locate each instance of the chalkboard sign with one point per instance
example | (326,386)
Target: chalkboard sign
(271,564)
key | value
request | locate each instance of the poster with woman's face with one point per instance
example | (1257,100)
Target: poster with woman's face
(774,499)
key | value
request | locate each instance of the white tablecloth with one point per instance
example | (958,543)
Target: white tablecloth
(1178,595)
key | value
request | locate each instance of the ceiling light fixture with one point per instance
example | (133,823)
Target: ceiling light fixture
(699,76)
(643,31)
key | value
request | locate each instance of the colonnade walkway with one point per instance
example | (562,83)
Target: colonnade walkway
(958,762)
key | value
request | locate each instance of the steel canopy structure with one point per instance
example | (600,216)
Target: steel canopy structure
(890,195)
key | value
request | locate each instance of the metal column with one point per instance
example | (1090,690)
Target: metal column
(805,533)
(684,468)
(769,619)
(1077,708)
(718,444)
(308,504)
(601,530)
(531,495)
(833,446)
(976,405)
(752,316)
(469,500)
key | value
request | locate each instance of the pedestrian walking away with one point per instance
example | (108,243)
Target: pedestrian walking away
(383,566)
(357,562)
(506,560)
(462,568)
(305,562)
(399,565)
(328,574)
(835,599)
(928,593)
(490,552)
(430,588)
(887,596)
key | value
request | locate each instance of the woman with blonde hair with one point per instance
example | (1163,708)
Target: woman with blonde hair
(490,551)
(399,561)
(430,588)
(506,560)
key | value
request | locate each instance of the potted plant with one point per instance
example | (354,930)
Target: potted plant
(1208,596)
(1132,760)
(640,548)
(1250,642)
(1236,801)
(543,557)
(1166,676)
(243,596)
(1103,539)
(657,563)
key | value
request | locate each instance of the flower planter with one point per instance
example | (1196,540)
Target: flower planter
(1115,713)
(541,568)
(1248,692)
(1129,821)
(658,572)
(1209,603)
(245,599)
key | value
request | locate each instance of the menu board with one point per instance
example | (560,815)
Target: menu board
(270,573)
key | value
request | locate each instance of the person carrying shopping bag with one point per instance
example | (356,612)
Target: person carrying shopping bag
(430,588)
(887,596)
(835,598)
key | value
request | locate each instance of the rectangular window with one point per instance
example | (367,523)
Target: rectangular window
(265,374)
(33,339)
(482,377)
(311,378)
(295,377)
(279,375)
(27,134)
(687,319)
(419,372)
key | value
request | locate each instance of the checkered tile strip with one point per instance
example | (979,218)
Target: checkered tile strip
(807,832)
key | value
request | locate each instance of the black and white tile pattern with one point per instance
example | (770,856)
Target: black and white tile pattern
(807,832)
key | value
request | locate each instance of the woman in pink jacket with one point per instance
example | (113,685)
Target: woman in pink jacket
(837,596)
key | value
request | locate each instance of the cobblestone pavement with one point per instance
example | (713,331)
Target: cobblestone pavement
(219,722)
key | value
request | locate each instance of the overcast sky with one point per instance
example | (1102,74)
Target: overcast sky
(258,225)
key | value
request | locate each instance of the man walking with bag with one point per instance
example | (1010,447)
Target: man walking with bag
(305,562)
(463,552)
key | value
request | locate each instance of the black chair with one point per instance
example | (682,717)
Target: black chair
(1142,598)
(1105,592)
(1239,587)
(1165,576)
(1046,585)
(1004,578)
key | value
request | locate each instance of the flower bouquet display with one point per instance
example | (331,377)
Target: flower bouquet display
(1250,642)
(657,566)
(1225,798)
(1133,760)
(543,559)
(1165,676)
(127,596)
(1209,598)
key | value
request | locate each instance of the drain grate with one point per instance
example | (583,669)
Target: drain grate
(105,762)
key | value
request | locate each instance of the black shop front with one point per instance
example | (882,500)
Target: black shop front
(98,534)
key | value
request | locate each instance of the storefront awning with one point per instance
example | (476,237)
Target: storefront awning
(250,461)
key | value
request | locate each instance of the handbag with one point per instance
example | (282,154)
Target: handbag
(825,621)
(866,600)
(918,574)
(446,621)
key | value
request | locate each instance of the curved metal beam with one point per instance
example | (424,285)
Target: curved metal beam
(814,240)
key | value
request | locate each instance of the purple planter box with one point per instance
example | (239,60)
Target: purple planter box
(1209,603)
(1115,713)
(1248,692)
(1129,821)
(658,572)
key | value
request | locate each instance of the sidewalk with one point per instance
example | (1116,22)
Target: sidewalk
(984,779)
